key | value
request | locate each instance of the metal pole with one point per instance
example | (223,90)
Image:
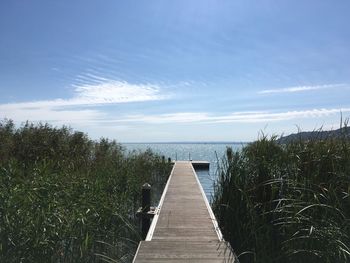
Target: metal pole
(146,207)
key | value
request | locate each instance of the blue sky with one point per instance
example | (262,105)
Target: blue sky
(141,71)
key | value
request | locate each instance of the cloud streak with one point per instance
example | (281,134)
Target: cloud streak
(82,107)
(112,92)
(236,117)
(300,89)
(60,110)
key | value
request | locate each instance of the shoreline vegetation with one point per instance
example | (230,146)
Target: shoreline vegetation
(66,198)
(287,202)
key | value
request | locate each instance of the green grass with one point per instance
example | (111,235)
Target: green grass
(66,198)
(286,203)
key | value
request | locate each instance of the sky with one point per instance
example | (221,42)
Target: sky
(167,71)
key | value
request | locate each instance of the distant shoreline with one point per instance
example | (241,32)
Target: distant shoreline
(209,142)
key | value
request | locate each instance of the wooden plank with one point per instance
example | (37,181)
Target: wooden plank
(185,229)
(184,251)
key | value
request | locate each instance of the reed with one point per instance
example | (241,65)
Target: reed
(66,198)
(286,202)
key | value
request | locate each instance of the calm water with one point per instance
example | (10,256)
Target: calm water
(211,152)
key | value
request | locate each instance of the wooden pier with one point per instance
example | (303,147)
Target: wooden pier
(184,228)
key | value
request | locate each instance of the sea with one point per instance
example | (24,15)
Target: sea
(204,151)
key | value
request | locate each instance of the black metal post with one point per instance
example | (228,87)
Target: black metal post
(146,207)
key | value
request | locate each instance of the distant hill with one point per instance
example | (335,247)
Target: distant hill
(345,131)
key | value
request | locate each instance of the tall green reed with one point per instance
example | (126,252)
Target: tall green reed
(66,198)
(286,203)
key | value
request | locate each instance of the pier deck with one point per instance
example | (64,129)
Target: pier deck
(184,228)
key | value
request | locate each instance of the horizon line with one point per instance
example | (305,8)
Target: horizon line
(189,142)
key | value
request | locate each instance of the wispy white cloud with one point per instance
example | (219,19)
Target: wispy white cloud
(51,115)
(82,108)
(300,88)
(180,117)
(236,117)
(107,92)
(279,116)
(111,92)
